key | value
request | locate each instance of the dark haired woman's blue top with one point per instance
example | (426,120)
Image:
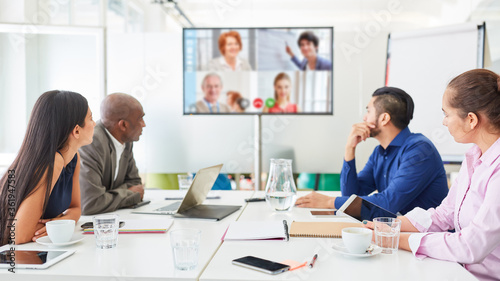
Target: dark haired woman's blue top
(321,63)
(60,197)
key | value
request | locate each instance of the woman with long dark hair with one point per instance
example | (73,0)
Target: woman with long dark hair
(42,182)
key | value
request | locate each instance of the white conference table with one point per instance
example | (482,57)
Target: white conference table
(149,256)
(330,265)
(137,256)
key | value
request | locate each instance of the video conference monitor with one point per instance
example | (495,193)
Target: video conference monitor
(258,71)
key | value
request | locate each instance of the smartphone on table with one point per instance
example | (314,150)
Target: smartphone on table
(261,265)
(90,224)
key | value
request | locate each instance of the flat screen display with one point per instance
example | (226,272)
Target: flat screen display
(258,70)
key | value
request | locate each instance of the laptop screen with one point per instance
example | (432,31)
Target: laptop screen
(202,184)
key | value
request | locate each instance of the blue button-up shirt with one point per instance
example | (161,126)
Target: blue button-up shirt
(409,173)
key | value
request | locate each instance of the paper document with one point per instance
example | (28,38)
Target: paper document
(255,230)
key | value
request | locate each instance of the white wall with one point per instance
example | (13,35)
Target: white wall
(50,58)
(149,66)
(12,88)
(11,11)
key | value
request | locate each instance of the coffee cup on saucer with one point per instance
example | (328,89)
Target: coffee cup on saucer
(60,231)
(357,239)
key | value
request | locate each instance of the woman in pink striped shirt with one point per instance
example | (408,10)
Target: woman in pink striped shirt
(471,105)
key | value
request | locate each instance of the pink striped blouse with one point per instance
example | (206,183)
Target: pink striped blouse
(472,208)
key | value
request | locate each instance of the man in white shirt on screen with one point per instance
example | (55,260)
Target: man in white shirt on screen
(211,87)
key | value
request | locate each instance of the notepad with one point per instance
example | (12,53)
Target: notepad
(320,229)
(255,230)
(141,226)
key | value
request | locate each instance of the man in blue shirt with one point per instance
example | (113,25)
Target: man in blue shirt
(405,169)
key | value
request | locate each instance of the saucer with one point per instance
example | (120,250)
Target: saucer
(45,240)
(340,248)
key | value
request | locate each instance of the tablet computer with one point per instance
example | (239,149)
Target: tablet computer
(33,259)
(362,209)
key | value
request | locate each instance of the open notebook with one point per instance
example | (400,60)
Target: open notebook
(321,229)
(141,226)
(256,230)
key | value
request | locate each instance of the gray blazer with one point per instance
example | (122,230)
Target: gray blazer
(100,193)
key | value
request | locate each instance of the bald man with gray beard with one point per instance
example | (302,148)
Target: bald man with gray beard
(109,178)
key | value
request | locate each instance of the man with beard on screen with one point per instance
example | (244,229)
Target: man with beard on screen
(406,169)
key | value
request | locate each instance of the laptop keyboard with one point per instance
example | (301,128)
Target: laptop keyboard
(170,208)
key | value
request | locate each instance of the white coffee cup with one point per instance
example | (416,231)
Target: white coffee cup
(357,239)
(60,231)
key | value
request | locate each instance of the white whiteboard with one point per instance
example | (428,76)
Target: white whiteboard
(271,50)
(422,63)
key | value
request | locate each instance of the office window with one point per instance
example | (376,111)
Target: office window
(124,16)
(50,12)
(87,13)
(51,58)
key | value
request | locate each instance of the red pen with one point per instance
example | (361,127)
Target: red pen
(311,264)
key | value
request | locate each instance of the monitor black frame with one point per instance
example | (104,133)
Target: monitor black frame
(258,113)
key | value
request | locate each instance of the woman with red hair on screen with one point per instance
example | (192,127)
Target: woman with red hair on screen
(230,47)
(236,102)
(282,91)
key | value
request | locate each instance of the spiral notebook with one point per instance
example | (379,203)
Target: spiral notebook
(321,229)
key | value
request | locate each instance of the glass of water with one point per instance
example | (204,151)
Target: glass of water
(281,191)
(185,244)
(106,231)
(185,181)
(387,234)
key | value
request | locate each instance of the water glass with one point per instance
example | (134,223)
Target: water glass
(185,181)
(185,244)
(106,231)
(387,234)
(281,191)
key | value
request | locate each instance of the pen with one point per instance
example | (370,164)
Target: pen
(311,264)
(181,198)
(285,226)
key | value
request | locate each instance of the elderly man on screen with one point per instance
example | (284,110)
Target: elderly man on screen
(406,169)
(109,178)
(211,87)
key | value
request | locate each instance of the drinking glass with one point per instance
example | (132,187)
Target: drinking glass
(185,244)
(106,231)
(185,181)
(387,234)
(281,191)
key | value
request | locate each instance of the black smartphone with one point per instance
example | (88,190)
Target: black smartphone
(361,209)
(261,265)
(255,199)
(90,224)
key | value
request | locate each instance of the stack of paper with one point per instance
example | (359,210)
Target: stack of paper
(141,226)
(255,230)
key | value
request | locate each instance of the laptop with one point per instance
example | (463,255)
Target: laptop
(191,206)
